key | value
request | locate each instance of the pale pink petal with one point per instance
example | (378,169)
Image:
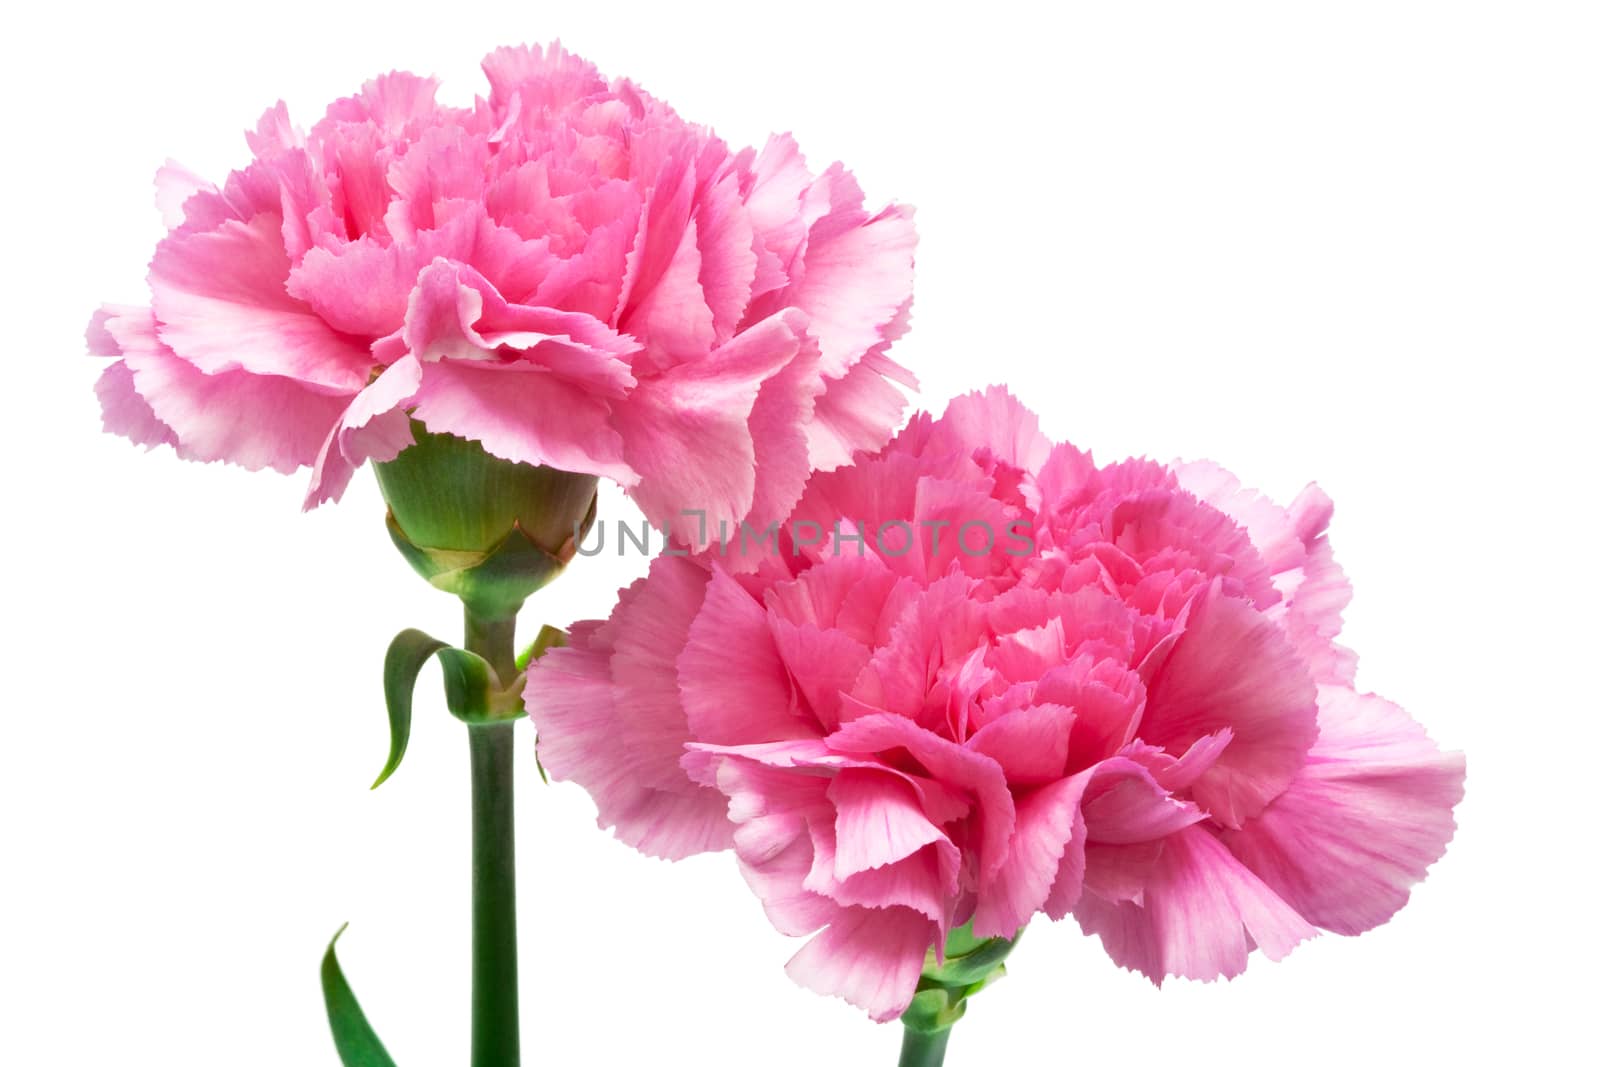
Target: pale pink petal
(1107,699)
(726,239)
(822,663)
(1293,542)
(1313,614)
(222,306)
(364,287)
(1118,872)
(1177,773)
(1362,822)
(213,416)
(879,821)
(734,684)
(995,422)
(774,202)
(1202,914)
(1046,818)
(856,412)
(570,697)
(1232,668)
(857,281)
(871,957)
(1125,805)
(651,625)
(783,408)
(375,426)
(688,433)
(522,413)
(948,764)
(445,166)
(175,184)
(1271,528)
(392,102)
(778,881)
(925,881)
(547,76)
(665,306)
(123,411)
(1030,744)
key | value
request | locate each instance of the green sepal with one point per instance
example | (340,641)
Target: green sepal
(353,1036)
(983,962)
(473,692)
(486,529)
(468,682)
(493,583)
(934,1009)
(407,654)
(970,964)
(548,637)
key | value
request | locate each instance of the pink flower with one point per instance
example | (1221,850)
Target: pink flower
(986,678)
(566,272)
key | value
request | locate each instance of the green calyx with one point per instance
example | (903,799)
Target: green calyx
(970,964)
(487,530)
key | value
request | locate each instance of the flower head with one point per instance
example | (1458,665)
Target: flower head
(566,272)
(1008,681)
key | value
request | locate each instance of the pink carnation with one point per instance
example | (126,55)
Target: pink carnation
(567,272)
(1126,705)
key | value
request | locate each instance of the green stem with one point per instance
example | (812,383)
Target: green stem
(924,1048)
(495,1036)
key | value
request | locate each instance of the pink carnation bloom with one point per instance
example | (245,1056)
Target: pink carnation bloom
(567,272)
(1129,708)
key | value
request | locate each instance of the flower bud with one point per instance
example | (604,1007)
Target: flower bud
(488,530)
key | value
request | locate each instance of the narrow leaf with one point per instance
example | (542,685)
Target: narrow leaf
(353,1036)
(408,652)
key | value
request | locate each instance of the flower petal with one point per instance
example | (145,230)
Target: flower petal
(1233,668)
(216,416)
(523,413)
(222,305)
(688,434)
(1203,912)
(871,957)
(1362,822)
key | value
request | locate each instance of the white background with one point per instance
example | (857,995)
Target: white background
(1358,243)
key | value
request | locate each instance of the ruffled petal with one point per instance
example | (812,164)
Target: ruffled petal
(1202,913)
(572,700)
(1233,668)
(523,413)
(217,416)
(879,820)
(1364,819)
(1047,823)
(123,411)
(871,957)
(688,431)
(734,684)
(857,412)
(221,302)
(856,282)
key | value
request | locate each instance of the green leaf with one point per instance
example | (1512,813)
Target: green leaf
(353,1036)
(408,652)
(469,685)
